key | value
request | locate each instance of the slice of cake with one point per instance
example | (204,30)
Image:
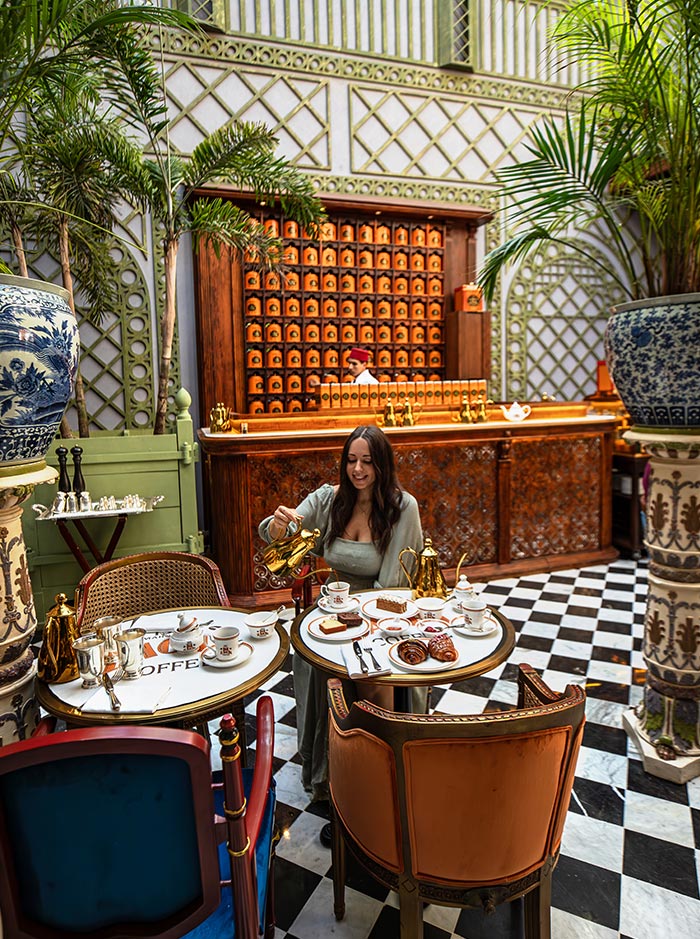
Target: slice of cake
(392,604)
(350,620)
(331,625)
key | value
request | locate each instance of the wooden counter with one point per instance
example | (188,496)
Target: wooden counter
(532,496)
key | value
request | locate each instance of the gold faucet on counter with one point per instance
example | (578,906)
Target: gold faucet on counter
(404,414)
(474,412)
(464,414)
(220,419)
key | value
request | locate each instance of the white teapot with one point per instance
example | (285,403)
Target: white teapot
(516,412)
(463,590)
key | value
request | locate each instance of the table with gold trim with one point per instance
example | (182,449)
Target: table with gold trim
(477,654)
(198,693)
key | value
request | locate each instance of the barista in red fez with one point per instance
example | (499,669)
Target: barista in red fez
(358,360)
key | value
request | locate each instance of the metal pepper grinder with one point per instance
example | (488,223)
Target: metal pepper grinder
(78,479)
(63,480)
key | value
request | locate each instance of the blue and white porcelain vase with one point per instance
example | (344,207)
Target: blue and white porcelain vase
(39,347)
(651,347)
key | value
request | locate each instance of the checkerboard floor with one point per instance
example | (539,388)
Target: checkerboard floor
(630,855)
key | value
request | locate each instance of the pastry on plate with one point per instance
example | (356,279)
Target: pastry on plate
(331,625)
(350,620)
(442,648)
(412,651)
(392,604)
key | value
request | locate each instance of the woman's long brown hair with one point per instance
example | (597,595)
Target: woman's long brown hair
(386,494)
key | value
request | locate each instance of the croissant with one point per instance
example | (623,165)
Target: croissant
(442,648)
(412,651)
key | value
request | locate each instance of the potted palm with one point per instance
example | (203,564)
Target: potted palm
(623,163)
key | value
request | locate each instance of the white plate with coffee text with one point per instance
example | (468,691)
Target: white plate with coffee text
(463,628)
(245,650)
(370,609)
(347,635)
(429,665)
(328,607)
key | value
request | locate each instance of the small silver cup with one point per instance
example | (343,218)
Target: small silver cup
(130,646)
(107,627)
(90,653)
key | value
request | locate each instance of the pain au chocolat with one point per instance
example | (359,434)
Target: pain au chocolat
(442,648)
(412,651)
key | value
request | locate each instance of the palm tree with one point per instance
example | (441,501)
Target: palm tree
(240,153)
(625,157)
(42,40)
(61,152)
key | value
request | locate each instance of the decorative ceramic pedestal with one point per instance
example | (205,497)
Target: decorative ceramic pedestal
(19,711)
(666,724)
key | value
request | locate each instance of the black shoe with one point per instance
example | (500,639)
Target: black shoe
(325,835)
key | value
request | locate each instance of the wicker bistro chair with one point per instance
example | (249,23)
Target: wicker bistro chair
(121,832)
(142,583)
(463,811)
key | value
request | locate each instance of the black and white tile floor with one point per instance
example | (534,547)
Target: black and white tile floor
(630,856)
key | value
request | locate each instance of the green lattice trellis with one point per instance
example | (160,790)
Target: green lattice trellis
(556,311)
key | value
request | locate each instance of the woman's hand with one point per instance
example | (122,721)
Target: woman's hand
(281,518)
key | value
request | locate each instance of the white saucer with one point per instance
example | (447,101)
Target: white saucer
(347,635)
(370,609)
(332,608)
(490,626)
(245,650)
(430,664)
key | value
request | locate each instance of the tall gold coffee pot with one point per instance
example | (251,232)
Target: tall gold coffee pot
(57,661)
(427,580)
(286,554)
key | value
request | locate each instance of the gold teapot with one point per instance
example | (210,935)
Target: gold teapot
(286,554)
(57,661)
(428,580)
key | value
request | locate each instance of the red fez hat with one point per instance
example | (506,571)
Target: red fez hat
(361,355)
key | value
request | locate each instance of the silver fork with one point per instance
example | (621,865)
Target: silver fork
(374,661)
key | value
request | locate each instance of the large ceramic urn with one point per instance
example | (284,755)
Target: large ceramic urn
(652,350)
(38,361)
(39,348)
(651,347)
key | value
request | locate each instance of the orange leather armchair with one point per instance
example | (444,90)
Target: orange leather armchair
(463,811)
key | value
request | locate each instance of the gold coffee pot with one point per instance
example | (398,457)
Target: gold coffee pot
(57,661)
(286,554)
(428,580)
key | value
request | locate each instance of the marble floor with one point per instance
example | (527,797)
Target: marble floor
(630,854)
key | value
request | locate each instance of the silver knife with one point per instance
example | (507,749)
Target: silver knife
(357,649)
(109,688)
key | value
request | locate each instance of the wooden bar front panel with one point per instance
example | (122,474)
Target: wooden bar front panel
(514,499)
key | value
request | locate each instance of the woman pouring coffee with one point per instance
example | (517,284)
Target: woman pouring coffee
(364,520)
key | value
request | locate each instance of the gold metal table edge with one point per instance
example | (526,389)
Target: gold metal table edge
(183,714)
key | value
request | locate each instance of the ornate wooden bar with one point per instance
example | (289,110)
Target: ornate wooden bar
(517,497)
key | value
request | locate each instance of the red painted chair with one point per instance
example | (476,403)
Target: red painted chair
(455,810)
(116,832)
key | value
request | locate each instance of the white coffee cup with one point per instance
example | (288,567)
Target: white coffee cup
(429,607)
(186,641)
(225,641)
(261,625)
(336,592)
(474,611)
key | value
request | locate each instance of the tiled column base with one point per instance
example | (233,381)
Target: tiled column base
(666,724)
(19,711)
